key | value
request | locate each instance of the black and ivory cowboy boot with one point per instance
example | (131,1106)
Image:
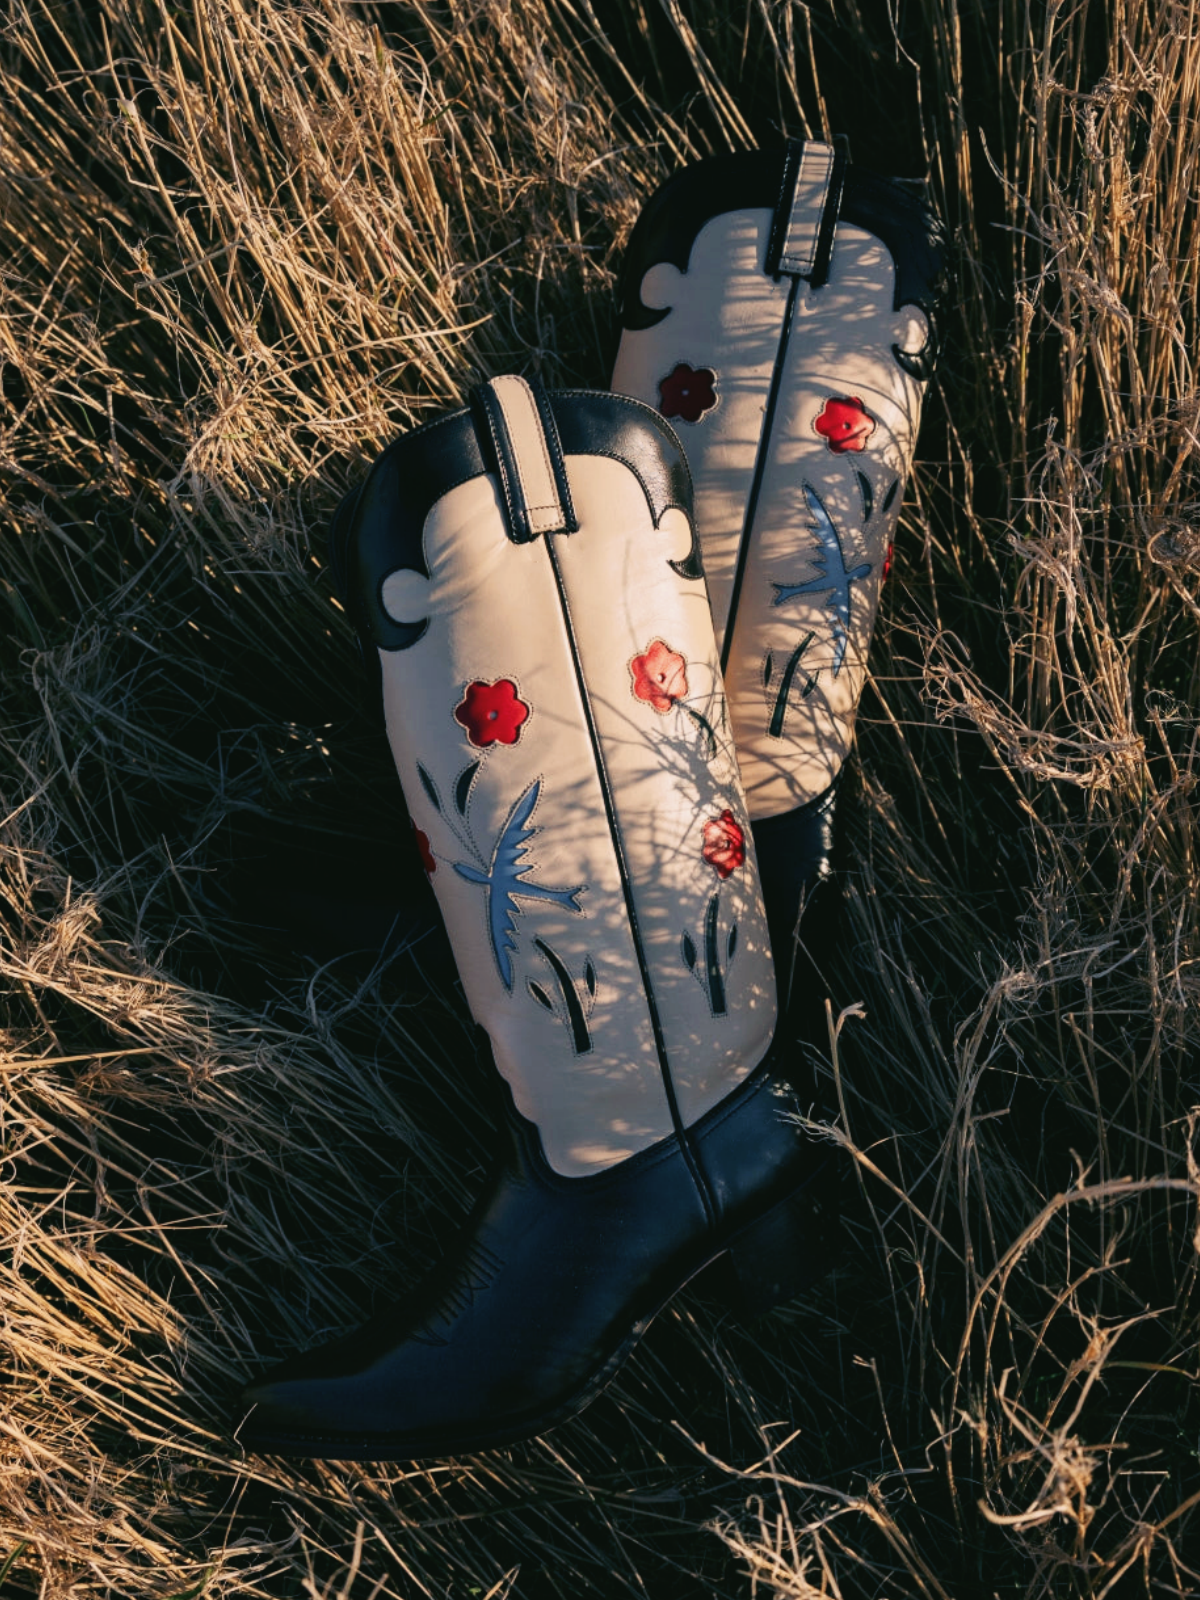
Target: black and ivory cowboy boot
(523,577)
(778,307)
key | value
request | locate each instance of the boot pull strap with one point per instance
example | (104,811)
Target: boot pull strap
(806,213)
(517,430)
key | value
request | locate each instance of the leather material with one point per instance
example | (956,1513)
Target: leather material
(551,1285)
(526,457)
(796,853)
(798,404)
(388,515)
(799,847)
(806,214)
(591,423)
(375,525)
(893,209)
(555,710)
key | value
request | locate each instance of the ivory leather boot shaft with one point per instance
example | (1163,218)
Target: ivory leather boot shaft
(779,308)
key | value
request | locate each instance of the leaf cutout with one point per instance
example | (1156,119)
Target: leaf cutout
(462,789)
(705,727)
(731,945)
(581,1039)
(868,495)
(775,727)
(589,977)
(768,669)
(540,995)
(712,961)
(687,949)
(429,787)
(891,494)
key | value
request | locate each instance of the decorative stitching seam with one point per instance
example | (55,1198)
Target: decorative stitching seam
(514,514)
(671,505)
(544,516)
(760,465)
(570,523)
(707,1199)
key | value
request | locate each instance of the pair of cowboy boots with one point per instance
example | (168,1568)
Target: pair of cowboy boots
(619,667)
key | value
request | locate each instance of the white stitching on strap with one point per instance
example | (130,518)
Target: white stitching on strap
(808,203)
(527,442)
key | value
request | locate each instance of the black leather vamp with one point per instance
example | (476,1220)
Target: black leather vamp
(552,1282)
(795,859)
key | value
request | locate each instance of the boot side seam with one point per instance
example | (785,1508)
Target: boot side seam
(760,467)
(703,1188)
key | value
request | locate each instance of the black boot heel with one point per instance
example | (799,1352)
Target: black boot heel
(786,1252)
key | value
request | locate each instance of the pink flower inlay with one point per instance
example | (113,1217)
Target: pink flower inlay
(659,676)
(724,843)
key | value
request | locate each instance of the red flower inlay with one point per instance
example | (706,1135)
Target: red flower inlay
(659,676)
(887,565)
(492,713)
(724,843)
(845,424)
(423,845)
(688,392)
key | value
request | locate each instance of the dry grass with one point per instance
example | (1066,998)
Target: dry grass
(246,241)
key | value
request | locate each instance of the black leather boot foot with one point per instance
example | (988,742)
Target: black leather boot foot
(783,1254)
(553,1282)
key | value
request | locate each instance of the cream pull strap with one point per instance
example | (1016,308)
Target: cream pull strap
(515,416)
(802,232)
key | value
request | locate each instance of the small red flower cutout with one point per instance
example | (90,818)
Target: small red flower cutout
(688,392)
(423,845)
(845,424)
(887,565)
(659,676)
(492,713)
(724,843)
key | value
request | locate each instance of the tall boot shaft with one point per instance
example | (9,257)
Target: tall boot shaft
(779,308)
(524,574)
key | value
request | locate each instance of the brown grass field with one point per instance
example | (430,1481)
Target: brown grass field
(244,243)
